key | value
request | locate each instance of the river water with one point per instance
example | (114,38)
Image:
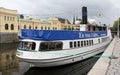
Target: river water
(10,65)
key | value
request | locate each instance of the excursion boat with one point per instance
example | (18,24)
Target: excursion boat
(46,48)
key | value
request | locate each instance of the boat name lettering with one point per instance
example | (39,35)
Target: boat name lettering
(94,35)
(90,35)
(81,35)
(103,35)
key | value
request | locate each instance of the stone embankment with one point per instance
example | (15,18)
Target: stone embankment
(109,62)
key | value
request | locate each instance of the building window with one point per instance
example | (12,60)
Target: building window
(4,17)
(13,19)
(48,28)
(42,28)
(8,18)
(18,27)
(36,27)
(6,26)
(12,27)
(24,26)
(45,28)
(54,23)
(55,28)
(30,27)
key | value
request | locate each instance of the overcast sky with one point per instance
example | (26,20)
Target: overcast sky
(109,9)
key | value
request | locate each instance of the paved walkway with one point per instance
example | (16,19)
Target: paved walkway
(110,65)
(114,66)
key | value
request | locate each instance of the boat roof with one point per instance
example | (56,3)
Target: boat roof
(50,35)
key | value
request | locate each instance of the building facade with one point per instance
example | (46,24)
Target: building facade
(8,25)
(53,23)
(8,20)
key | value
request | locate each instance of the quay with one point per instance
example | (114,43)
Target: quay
(109,62)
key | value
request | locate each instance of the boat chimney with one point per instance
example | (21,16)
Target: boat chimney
(84,15)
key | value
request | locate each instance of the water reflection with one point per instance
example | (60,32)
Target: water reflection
(8,60)
(10,65)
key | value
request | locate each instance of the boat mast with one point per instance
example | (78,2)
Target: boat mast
(98,16)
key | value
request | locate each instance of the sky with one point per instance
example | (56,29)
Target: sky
(109,9)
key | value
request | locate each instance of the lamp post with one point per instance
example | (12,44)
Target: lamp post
(19,26)
(118,28)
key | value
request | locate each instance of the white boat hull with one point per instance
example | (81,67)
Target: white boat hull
(66,59)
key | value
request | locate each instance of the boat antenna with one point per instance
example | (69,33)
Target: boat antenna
(99,17)
(74,19)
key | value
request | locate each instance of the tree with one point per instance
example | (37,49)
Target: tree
(31,18)
(115,25)
(21,16)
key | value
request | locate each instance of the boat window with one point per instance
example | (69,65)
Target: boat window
(84,43)
(81,43)
(102,39)
(94,28)
(71,44)
(44,46)
(87,42)
(90,42)
(98,40)
(78,43)
(104,28)
(75,44)
(58,46)
(50,46)
(27,46)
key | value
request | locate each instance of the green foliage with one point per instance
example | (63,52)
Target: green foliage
(31,18)
(115,25)
(21,16)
